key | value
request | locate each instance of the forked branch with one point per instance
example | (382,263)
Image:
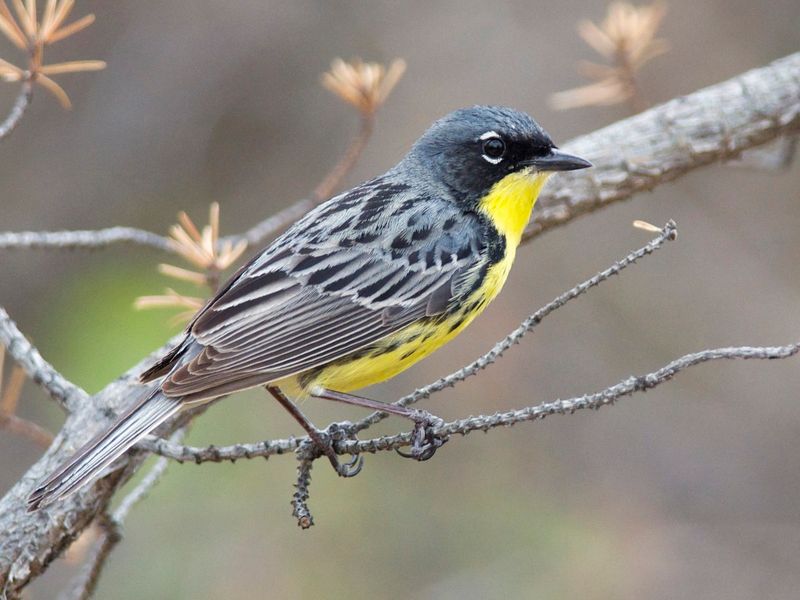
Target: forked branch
(634,155)
(68,395)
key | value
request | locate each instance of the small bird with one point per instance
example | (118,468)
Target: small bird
(358,290)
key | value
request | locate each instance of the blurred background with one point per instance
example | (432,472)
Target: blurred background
(692,490)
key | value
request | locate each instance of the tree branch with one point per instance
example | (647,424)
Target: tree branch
(331,181)
(18,109)
(608,396)
(84,239)
(636,154)
(684,134)
(68,395)
(661,144)
(485,423)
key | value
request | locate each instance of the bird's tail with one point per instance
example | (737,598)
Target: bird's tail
(104,449)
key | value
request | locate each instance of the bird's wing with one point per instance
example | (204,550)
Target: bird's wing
(353,271)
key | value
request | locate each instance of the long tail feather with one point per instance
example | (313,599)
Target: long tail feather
(104,449)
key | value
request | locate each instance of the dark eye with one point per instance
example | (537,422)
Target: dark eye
(493,149)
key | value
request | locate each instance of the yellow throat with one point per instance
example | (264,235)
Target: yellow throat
(510,201)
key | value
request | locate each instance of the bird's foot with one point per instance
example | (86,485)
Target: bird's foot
(325,441)
(424,443)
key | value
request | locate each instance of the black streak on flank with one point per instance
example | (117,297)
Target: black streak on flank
(496,245)
(456,325)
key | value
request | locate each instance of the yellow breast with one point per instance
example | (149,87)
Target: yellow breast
(508,204)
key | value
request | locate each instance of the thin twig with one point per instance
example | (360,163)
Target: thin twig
(608,396)
(18,109)
(84,239)
(68,395)
(300,497)
(334,177)
(232,453)
(85,583)
(605,397)
(274,224)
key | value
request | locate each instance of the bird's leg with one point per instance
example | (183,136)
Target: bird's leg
(320,438)
(424,443)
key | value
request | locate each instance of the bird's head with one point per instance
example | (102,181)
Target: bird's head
(472,149)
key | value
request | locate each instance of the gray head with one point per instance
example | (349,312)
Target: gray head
(471,149)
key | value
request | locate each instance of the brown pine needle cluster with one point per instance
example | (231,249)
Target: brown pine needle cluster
(172,299)
(9,399)
(366,86)
(31,34)
(627,40)
(204,251)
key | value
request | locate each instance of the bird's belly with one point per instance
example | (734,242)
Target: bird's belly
(393,354)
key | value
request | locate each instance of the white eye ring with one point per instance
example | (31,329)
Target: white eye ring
(490,135)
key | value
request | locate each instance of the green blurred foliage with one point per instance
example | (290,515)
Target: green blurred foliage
(94,331)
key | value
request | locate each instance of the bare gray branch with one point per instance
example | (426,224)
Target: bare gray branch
(66,393)
(18,109)
(636,154)
(84,239)
(626,387)
(661,144)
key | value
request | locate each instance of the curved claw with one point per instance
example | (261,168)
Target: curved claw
(422,453)
(352,467)
(424,444)
(338,431)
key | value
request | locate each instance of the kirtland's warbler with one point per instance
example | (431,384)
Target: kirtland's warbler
(359,289)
